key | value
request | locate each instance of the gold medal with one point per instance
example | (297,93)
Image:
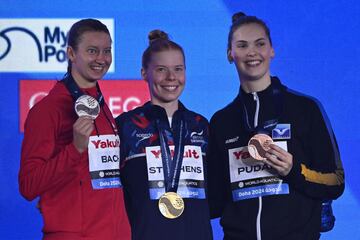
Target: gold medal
(171,205)
(258,145)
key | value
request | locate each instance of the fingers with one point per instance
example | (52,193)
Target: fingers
(279,159)
(84,126)
(82,130)
(278,151)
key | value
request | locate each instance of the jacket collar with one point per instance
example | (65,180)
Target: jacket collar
(272,89)
(153,111)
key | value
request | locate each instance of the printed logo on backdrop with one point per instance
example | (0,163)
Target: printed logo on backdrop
(38,44)
(120,95)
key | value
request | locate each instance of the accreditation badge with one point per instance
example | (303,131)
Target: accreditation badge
(104,158)
(251,178)
(192,180)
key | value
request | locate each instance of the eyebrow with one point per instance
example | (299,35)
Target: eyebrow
(257,40)
(179,65)
(93,46)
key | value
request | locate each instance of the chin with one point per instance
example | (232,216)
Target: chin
(170,99)
(97,75)
(94,78)
(253,76)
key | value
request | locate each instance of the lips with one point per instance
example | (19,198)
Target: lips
(98,68)
(170,88)
(253,63)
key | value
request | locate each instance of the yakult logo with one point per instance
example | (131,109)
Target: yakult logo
(189,153)
(45,41)
(239,155)
(106,144)
(120,96)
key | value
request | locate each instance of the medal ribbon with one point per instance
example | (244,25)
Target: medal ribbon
(76,92)
(172,166)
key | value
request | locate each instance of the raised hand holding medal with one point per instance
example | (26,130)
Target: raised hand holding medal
(87,108)
(261,147)
(279,159)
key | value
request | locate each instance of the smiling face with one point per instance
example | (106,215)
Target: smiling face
(251,51)
(91,59)
(165,75)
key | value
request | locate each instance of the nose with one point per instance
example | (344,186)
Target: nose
(252,51)
(171,75)
(101,57)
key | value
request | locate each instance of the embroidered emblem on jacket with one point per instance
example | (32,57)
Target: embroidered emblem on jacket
(282,131)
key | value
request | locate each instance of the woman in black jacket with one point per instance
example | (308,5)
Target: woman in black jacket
(273,156)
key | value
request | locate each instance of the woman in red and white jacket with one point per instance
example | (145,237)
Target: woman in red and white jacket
(61,162)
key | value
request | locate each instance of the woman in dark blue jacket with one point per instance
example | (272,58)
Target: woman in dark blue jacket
(163,147)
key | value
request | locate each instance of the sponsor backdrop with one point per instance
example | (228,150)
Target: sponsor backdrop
(317,52)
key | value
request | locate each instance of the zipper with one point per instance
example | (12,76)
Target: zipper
(256,122)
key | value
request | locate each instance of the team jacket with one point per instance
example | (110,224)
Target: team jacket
(251,199)
(143,178)
(52,169)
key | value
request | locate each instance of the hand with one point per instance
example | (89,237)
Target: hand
(82,129)
(279,159)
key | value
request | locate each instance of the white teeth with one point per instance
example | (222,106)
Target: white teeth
(170,88)
(253,63)
(97,68)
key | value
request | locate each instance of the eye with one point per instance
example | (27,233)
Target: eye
(260,44)
(161,69)
(107,51)
(92,51)
(241,45)
(179,69)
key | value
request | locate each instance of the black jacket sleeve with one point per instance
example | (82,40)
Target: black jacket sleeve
(216,173)
(317,169)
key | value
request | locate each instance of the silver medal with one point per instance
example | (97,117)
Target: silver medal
(86,105)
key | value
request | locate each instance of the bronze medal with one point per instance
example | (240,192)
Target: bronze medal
(171,205)
(86,105)
(258,145)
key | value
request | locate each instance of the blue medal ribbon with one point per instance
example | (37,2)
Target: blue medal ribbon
(76,92)
(172,166)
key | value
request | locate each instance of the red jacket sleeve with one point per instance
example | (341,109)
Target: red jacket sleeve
(46,157)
